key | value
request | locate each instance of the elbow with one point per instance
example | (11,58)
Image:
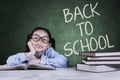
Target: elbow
(62,64)
(9,61)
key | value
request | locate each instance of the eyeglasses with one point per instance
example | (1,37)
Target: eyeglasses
(37,38)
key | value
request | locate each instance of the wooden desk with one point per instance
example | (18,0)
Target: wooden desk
(58,74)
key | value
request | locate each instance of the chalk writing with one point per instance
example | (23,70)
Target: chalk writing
(69,16)
(86,28)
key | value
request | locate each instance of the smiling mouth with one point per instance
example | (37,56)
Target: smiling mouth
(39,46)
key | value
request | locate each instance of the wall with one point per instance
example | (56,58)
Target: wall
(76,25)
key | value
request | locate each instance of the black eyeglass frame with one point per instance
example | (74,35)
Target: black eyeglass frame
(44,39)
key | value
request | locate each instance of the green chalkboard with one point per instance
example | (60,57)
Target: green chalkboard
(76,25)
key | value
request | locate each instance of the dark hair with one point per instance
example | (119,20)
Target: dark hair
(29,36)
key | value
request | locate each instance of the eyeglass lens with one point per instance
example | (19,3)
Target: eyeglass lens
(37,38)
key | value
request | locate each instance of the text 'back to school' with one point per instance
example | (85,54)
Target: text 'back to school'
(86,28)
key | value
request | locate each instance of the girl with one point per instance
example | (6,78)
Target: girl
(40,50)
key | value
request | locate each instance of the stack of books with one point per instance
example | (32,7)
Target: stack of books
(100,62)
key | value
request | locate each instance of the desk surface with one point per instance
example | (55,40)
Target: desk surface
(58,74)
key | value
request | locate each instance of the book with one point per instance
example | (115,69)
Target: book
(96,68)
(27,66)
(104,58)
(97,54)
(101,62)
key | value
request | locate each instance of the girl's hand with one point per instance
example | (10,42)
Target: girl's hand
(32,50)
(30,45)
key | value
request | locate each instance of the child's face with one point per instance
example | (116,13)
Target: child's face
(40,41)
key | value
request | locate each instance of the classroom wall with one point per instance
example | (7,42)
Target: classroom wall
(76,25)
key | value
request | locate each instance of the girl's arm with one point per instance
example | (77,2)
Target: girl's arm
(21,57)
(59,61)
(16,59)
(53,58)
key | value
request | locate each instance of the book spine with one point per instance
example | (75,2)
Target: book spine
(100,62)
(103,58)
(100,54)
